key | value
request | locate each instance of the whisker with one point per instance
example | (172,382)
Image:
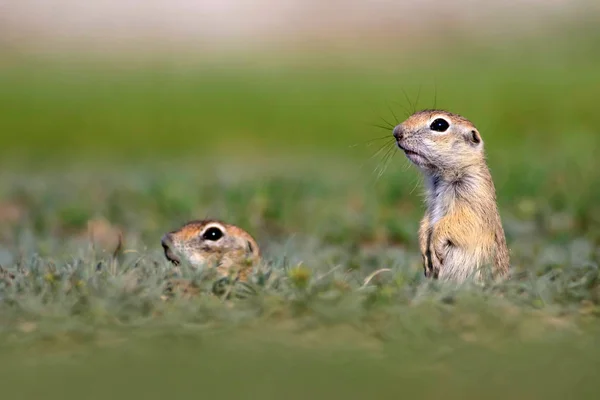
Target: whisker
(406,166)
(406,110)
(418,95)
(409,102)
(384,148)
(387,128)
(394,114)
(388,123)
(383,165)
(387,163)
(414,187)
(380,150)
(389,160)
(375,154)
(370,141)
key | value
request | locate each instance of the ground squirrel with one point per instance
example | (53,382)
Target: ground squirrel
(461,231)
(214,244)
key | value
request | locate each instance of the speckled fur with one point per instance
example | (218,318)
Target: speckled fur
(461,232)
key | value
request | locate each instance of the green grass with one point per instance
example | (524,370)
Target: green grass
(281,151)
(70,309)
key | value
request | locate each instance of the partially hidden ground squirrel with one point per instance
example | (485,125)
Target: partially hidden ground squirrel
(213,244)
(461,232)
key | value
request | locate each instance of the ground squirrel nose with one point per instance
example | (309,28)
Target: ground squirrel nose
(167,243)
(398,134)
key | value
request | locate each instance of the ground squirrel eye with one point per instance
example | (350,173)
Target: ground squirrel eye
(213,234)
(439,125)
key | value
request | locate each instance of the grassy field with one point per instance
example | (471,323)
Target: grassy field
(289,151)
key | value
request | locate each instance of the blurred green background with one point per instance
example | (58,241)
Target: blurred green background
(154,117)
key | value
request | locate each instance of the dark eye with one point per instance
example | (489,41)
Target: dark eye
(439,125)
(213,234)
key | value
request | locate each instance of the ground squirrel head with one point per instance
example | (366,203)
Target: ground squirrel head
(438,141)
(211,243)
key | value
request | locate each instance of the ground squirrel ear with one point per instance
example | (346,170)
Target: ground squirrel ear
(475,138)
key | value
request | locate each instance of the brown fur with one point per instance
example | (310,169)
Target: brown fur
(461,231)
(233,255)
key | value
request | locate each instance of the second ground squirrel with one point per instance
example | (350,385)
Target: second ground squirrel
(213,244)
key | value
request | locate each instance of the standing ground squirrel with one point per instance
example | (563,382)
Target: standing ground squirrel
(211,243)
(461,231)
